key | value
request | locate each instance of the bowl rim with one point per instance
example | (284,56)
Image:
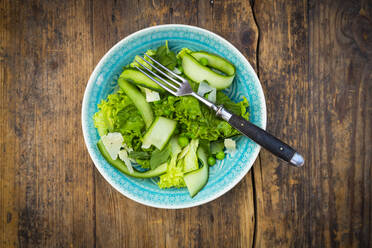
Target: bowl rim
(84,114)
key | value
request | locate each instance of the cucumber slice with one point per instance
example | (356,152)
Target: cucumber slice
(175,147)
(197,179)
(139,101)
(120,165)
(191,159)
(136,77)
(216,62)
(197,72)
(159,133)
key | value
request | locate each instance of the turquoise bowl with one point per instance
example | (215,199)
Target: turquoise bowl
(225,174)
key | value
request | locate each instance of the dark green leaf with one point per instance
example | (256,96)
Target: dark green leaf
(166,57)
(159,157)
(217,146)
(139,155)
(205,144)
(143,163)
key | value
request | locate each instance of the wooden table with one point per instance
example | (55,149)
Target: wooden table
(314,60)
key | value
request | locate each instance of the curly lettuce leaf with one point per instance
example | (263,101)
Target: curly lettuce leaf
(237,108)
(105,118)
(195,120)
(118,114)
(174,175)
(131,125)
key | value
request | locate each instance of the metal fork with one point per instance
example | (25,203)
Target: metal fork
(179,86)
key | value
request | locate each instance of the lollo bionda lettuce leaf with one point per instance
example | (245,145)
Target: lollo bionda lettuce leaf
(118,114)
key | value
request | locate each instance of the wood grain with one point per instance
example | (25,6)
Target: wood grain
(341,66)
(314,60)
(281,189)
(47,197)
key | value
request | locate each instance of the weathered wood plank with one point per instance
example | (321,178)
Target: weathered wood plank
(282,191)
(8,187)
(340,63)
(46,181)
(226,222)
(314,60)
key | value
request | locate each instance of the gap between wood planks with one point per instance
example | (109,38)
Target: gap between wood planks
(259,155)
(252,2)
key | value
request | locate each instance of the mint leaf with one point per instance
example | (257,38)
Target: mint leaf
(159,157)
(166,57)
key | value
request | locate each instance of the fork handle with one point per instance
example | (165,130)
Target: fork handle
(263,138)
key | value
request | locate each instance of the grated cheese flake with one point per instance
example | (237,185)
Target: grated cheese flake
(151,96)
(113,142)
(230,145)
(123,155)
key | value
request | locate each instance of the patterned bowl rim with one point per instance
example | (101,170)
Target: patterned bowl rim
(84,114)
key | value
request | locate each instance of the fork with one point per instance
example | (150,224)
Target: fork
(181,87)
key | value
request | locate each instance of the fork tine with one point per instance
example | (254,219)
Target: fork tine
(162,79)
(165,68)
(156,68)
(156,81)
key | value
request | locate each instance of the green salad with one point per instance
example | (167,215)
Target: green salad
(145,132)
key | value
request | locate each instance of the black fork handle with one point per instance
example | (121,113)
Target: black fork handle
(265,139)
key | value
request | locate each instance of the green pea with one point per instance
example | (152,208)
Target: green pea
(220,155)
(211,161)
(183,141)
(203,61)
(167,112)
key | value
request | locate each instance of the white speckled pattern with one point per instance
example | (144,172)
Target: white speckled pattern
(225,174)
